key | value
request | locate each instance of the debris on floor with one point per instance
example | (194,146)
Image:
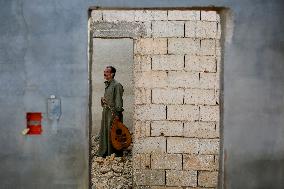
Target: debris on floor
(110,172)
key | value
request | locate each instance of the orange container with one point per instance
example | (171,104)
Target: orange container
(34,123)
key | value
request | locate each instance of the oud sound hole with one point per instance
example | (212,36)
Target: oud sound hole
(118,131)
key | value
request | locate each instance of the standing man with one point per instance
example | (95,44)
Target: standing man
(112,104)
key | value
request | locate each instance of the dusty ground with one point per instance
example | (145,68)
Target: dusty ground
(110,172)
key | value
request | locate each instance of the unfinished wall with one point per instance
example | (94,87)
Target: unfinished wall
(45,40)
(176,79)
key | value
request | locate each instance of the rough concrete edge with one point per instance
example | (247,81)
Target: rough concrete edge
(89,119)
(227,28)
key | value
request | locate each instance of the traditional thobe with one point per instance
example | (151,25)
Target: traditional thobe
(113,95)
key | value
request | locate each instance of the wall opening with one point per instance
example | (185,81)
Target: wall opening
(118,53)
(176,70)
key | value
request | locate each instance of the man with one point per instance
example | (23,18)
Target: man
(112,104)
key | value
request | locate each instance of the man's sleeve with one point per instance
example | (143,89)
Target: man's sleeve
(118,98)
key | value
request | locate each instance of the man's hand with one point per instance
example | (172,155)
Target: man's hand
(115,116)
(103,101)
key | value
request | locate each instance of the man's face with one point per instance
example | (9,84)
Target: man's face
(107,74)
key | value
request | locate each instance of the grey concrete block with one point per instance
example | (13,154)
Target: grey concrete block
(118,29)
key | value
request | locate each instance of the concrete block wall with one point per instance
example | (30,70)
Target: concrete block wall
(176,79)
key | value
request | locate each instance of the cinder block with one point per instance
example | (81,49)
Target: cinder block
(183,79)
(97,15)
(118,29)
(183,112)
(143,15)
(165,187)
(150,145)
(209,113)
(141,161)
(209,146)
(149,177)
(150,79)
(199,162)
(183,46)
(142,96)
(118,15)
(167,96)
(150,112)
(181,178)
(166,128)
(168,28)
(142,129)
(206,29)
(183,15)
(148,46)
(200,63)
(182,145)
(159,14)
(136,161)
(201,130)
(145,161)
(201,29)
(190,29)
(142,63)
(167,62)
(148,29)
(207,47)
(200,96)
(210,16)
(208,179)
(166,161)
(208,80)
(150,15)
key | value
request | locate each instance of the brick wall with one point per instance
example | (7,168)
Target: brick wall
(176,79)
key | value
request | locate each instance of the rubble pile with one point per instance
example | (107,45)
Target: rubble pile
(110,172)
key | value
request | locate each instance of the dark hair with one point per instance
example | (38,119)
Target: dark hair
(113,70)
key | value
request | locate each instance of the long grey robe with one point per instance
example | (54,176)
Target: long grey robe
(113,95)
